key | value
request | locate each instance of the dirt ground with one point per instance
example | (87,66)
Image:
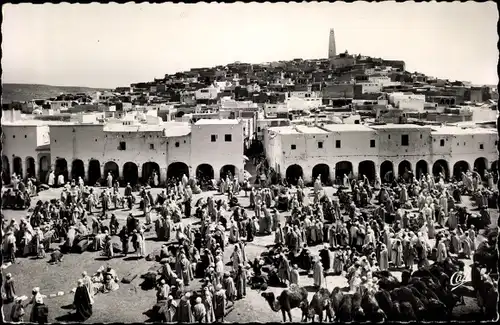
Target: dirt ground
(129,302)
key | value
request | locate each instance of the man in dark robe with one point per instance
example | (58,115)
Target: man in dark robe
(324,255)
(184,312)
(82,302)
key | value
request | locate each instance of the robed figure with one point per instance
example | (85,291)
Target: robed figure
(82,302)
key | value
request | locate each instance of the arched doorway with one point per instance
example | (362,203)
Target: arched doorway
(293,173)
(404,169)
(324,171)
(61,169)
(441,167)
(387,171)
(95,171)
(367,168)
(111,167)
(44,168)
(459,167)
(176,170)
(494,171)
(130,173)
(5,170)
(30,167)
(147,171)
(481,165)
(342,168)
(205,172)
(77,170)
(18,167)
(228,170)
(421,168)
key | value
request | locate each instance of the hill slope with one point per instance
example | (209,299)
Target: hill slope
(25,92)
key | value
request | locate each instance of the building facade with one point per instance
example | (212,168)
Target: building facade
(335,150)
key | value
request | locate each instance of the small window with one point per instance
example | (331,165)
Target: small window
(213,137)
(95,140)
(372,143)
(123,145)
(228,137)
(320,145)
(356,121)
(14,136)
(389,137)
(420,136)
(496,142)
(441,142)
(25,136)
(293,147)
(151,146)
(481,146)
(258,129)
(337,143)
(177,144)
(404,139)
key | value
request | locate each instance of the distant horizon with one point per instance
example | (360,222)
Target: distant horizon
(124,44)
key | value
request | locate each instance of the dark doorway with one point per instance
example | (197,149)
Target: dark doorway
(459,168)
(18,167)
(367,168)
(441,167)
(130,173)
(111,167)
(95,171)
(421,168)
(30,167)
(324,171)
(227,170)
(404,170)
(387,172)
(61,169)
(176,170)
(77,170)
(44,168)
(205,172)
(5,170)
(481,165)
(342,168)
(293,173)
(147,172)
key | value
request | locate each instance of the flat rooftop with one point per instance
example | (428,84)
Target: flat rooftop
(310,129)
(217,122)
(455,130)
(347,128)
(400,127)
(43,123)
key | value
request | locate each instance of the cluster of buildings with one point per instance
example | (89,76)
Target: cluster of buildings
(326,116)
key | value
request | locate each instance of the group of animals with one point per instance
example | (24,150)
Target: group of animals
(425,295)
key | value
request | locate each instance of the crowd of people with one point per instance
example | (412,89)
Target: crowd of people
(364,229)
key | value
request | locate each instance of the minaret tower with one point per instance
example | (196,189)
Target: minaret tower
(332,51)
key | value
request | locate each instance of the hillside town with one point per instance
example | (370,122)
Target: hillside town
(344,188)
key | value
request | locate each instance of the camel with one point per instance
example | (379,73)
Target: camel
(319,303)
(293,297)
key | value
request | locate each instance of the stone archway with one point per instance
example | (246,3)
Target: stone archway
(421,168)
(130,173)
(324,171)
(228,170)
(367,168)
(5,170)
(77,170)
(293,173)
(30,167)
(441,167)
(18,167)
(61,169)
(459,167)
(111,167)
(44,169)
(481,165)
(94,171)
(176,170)
(342,168)
(148,170)
(387,171)
(205,172)
(404,169)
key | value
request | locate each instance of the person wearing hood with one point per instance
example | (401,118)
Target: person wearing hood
(384,258)
(318,274)
(219,303)
(82,302)
(199,311)
(184,311)
(229,287)
(39,311)
(9,288)
(208,301)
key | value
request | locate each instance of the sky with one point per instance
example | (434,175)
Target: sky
(113,45)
